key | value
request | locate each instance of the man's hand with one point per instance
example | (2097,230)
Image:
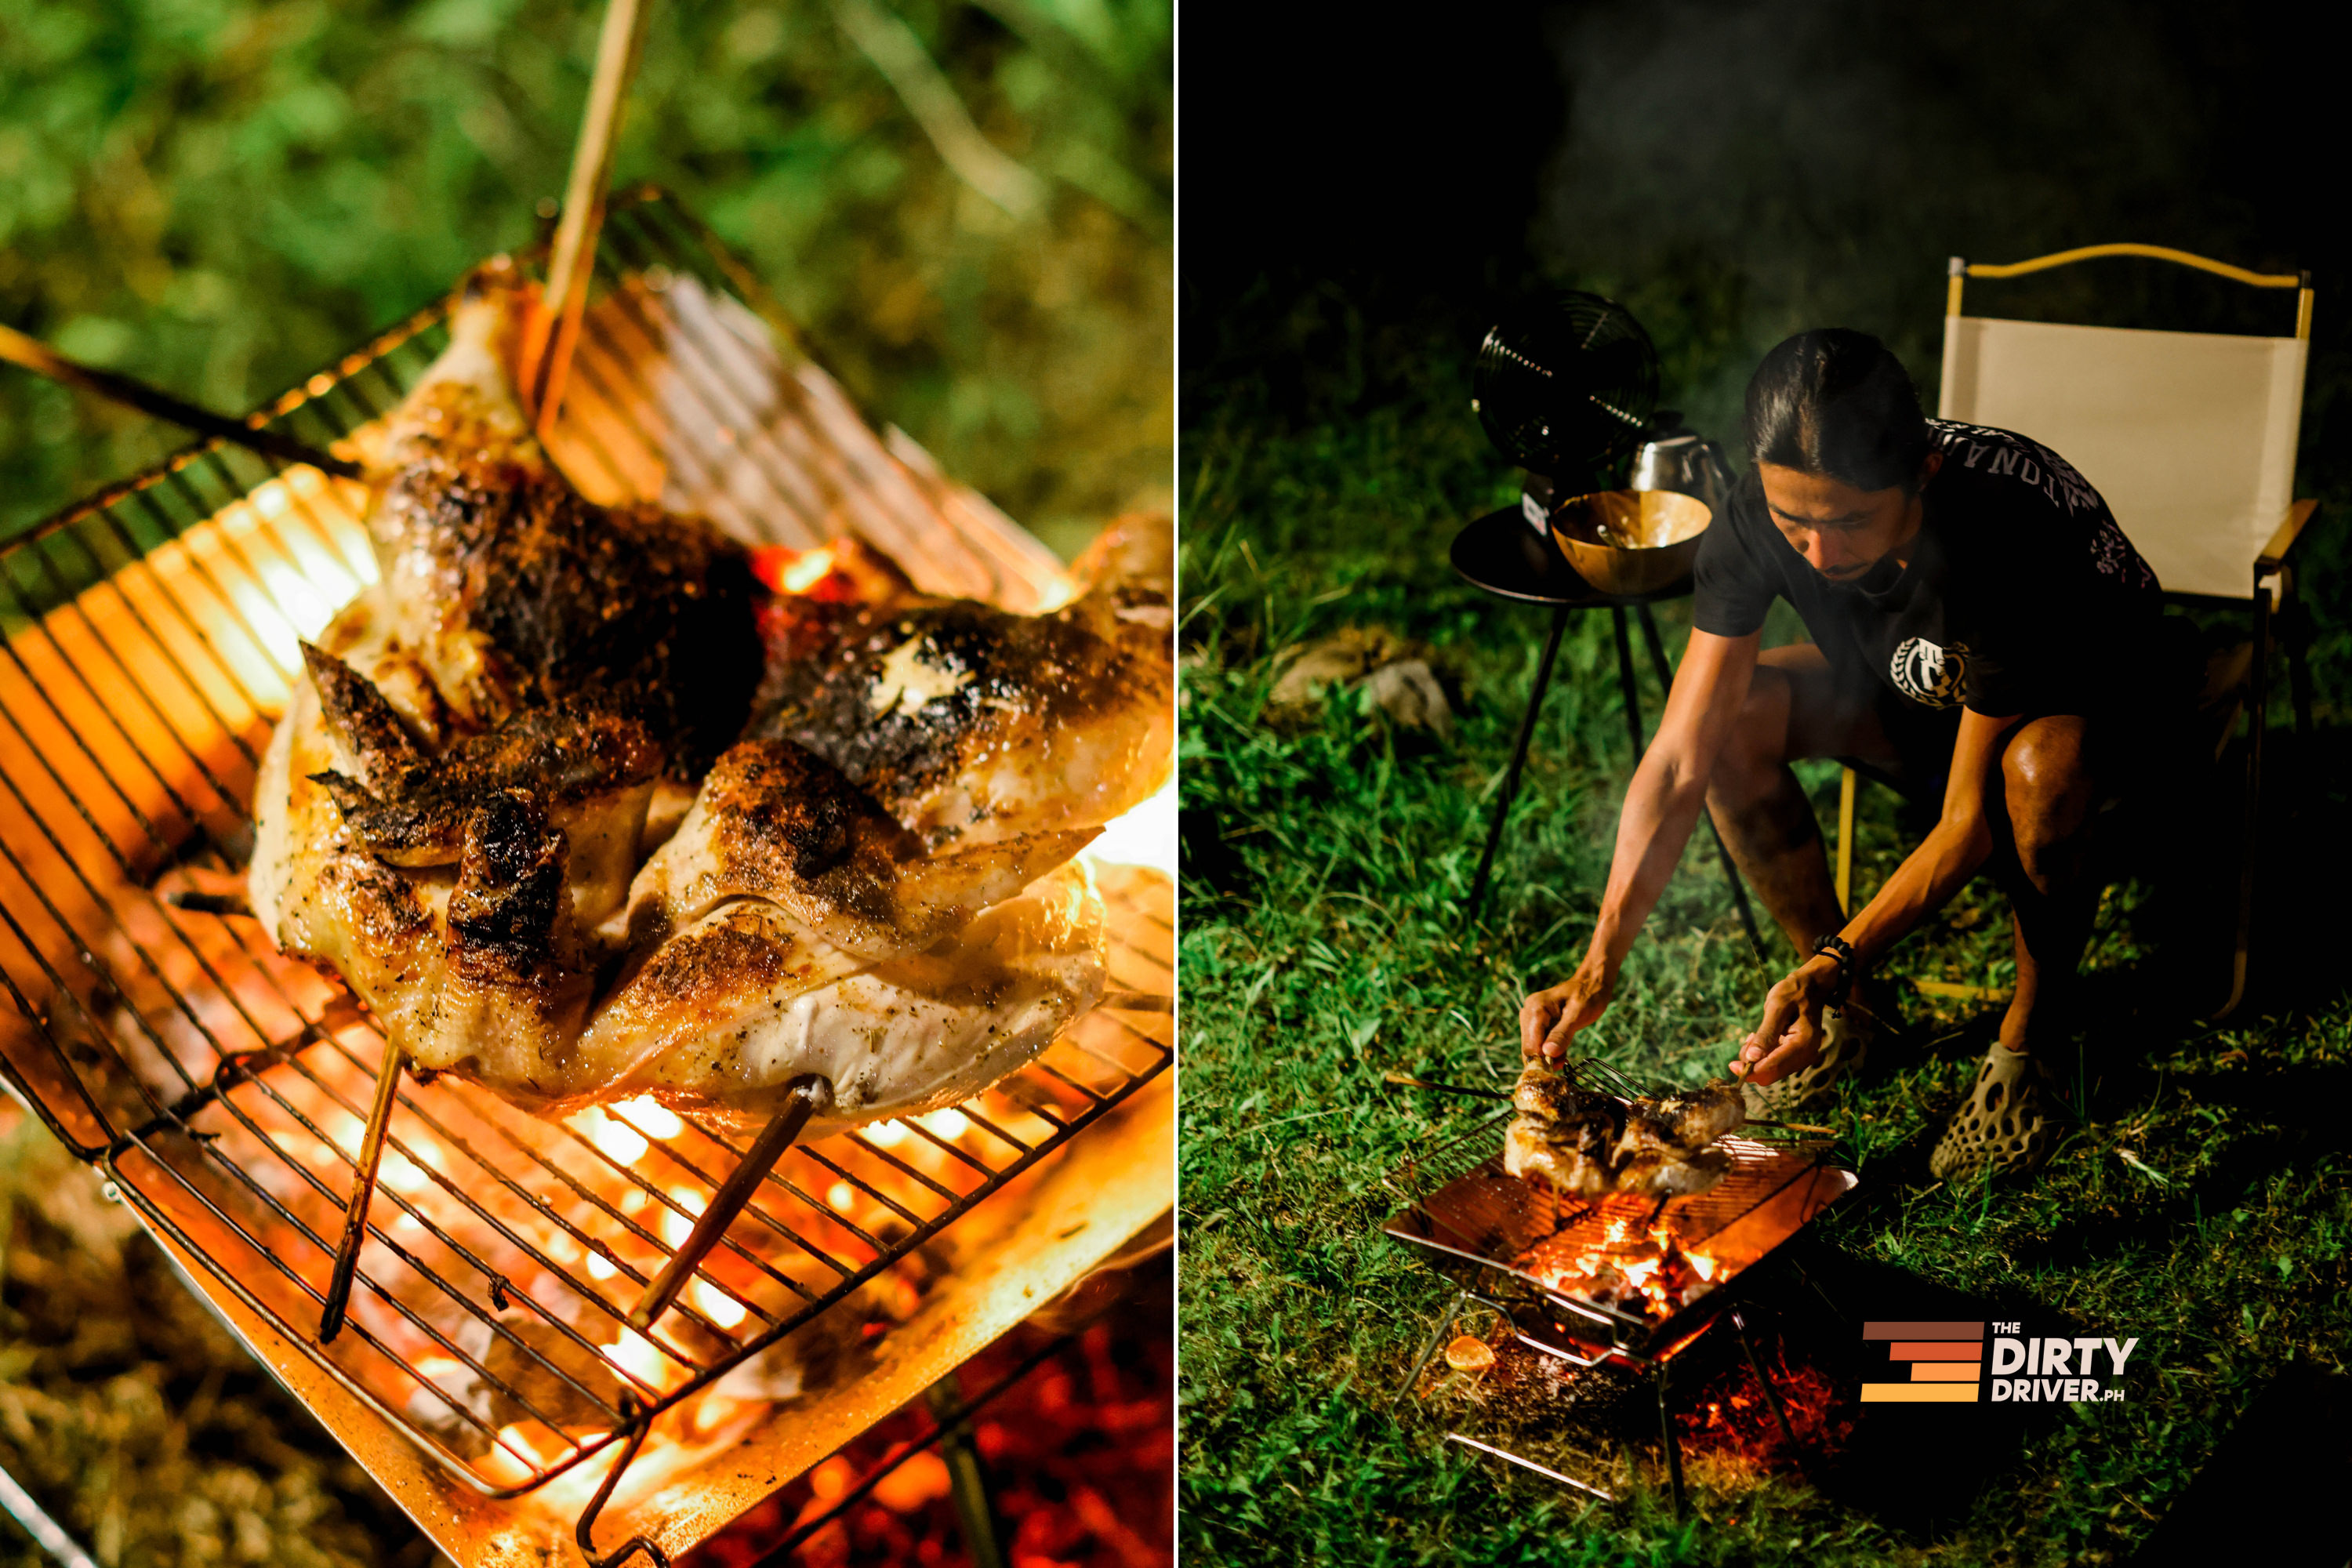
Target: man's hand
(1550,1017)
(1789,1037)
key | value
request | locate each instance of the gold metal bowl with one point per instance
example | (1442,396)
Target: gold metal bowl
(1631,541)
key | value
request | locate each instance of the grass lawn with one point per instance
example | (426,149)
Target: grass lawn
(1328,859)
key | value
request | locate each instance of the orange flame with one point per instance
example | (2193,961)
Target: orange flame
(787,571)
(1655,1274)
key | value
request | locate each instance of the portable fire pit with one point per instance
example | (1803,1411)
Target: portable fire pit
(1620,1280)
(488,1377)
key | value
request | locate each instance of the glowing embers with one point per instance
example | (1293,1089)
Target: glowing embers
(1647,1273)
(794,571)
(1075,1451)
(505,1250)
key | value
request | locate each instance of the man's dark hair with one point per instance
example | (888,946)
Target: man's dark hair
(1836,403)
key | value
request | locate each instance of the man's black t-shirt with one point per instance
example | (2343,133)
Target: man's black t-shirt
(2021,594)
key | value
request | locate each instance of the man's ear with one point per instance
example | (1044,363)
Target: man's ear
(1928,465)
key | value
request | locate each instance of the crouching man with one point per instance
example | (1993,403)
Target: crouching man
(1983,636)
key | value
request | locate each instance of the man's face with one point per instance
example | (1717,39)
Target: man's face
(1841,532)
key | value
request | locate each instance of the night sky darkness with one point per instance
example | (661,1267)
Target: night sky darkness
(1735,170)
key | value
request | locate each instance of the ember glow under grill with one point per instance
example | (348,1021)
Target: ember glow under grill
(487,1378)
(1587,1282)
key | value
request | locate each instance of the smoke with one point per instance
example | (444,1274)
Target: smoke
(1737,169)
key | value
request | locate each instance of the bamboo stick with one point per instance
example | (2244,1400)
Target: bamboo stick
(37,356)
(554,329)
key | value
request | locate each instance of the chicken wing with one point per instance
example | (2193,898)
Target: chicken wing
(512,590)
(971,725)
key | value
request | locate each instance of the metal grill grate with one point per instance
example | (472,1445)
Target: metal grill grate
(147,641)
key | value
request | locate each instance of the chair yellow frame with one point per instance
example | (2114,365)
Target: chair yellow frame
(2275,561)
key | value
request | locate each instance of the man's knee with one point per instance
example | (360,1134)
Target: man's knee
(2047,788)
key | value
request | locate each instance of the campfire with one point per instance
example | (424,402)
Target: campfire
(1589,1291)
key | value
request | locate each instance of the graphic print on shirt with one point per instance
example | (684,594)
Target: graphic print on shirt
(1929,673)
(2036,467)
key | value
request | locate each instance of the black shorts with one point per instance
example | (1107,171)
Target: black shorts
(2131,731)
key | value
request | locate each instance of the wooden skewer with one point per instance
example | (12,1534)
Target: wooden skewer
(807,1095)
(42,360)
(554,329)
(1409,1081)
(1136,1002)
(355,1213)
(210,903)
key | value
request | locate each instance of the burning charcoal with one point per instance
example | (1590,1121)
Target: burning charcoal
(541,1364)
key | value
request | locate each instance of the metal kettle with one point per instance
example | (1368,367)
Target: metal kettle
(1677,458)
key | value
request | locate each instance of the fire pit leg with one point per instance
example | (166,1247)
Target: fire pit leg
(585,1533)
(1771,1400)
(1674,1449)
(1412,1378)
(983,1539)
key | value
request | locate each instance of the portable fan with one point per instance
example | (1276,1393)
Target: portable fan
(1566,387)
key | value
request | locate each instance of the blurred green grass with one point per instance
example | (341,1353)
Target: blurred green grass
(219,195)
(1323,944)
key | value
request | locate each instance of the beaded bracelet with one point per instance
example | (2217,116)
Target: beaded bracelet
(1837,947)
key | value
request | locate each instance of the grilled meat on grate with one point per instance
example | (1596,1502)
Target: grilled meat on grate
(456,810)
(973,726)
(1588,1145)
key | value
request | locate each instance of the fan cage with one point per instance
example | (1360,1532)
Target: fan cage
(1542,393)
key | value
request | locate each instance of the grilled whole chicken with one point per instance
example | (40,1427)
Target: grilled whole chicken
(777,822)
(1563,1154)
(1587,1145)
(746,999)
(515,802)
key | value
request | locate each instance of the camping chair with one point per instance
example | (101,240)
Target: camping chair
(2191,437)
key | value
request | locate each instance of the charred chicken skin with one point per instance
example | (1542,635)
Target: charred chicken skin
(1588,1145)
(522,801)
(971,725)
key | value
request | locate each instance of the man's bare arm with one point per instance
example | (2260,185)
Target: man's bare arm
(1790,1034)
(1662,807)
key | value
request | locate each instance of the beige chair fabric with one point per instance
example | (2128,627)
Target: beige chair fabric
(2191,437)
